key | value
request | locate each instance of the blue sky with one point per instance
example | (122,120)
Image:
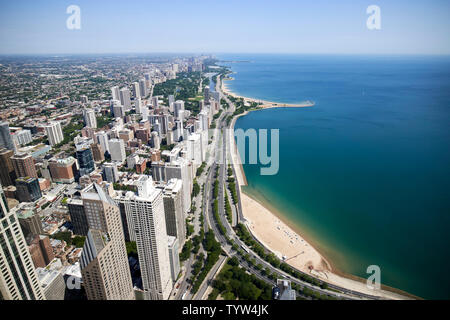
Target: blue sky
(276,26)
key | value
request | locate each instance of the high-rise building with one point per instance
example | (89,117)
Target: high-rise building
(23,164)
(78,216)
(90,119)
(41,251)
(7,173)
(6,140)
(117,150)
(194,149)
(206,94)
(125,98)
(23,137)
(85,160)
(28,189)
(110,172)
(136,90)
(173,209)
(63,170)
(103,140)
(97,152)
(104,261)
(115,93)
(18,280)
(119,111)
(52,283)
(146,210)
(177,107)
(54,133)
(30,223)
(143,88)
(174,257)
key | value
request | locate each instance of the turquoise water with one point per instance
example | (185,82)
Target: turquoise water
(365,173)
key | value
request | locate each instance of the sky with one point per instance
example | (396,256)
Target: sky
(225,26)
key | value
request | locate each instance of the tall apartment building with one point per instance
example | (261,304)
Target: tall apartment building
(7,173)
(6,140)
(174,257)
(30,223)
(110,172)
(143,88)
(23,137)
(125,98)
(23,164)
(28,189)
(173,209)
(177,107)
(146,210)
(90,119)
(18,280)
(54,133)
(97,152)
(117,150)
(104,261)
(52,283)
(136,90)
(178,168)
(103,140)
(63,170)
(41,251)
(85,160)
(78,216)
(115,93)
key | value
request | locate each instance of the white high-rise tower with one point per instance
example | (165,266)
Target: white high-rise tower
(146,210)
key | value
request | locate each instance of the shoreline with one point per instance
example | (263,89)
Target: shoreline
(265,222)
(264,104)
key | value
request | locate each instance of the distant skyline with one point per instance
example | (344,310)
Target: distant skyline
(232,26)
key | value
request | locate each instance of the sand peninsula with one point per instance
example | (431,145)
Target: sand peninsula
(280,235)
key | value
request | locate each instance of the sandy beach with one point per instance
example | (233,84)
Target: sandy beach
(264,103)
(278,236)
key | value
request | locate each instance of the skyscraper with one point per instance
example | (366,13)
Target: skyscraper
(146,210)
(78,216)
(174,257)
(18,280)
(104,262)
(115,93)
(23,137)
(97,152)
(54,133)
(85,160)
(103,140)
(23,164)
(117,150)
(7,173)
(173,209)
(143,88)
(28,189)
(89,118)
(6,140)
(110,172)
(177,106)
(125,98)
(136,90)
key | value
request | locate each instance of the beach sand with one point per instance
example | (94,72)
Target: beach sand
(264,103)
(282,240)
